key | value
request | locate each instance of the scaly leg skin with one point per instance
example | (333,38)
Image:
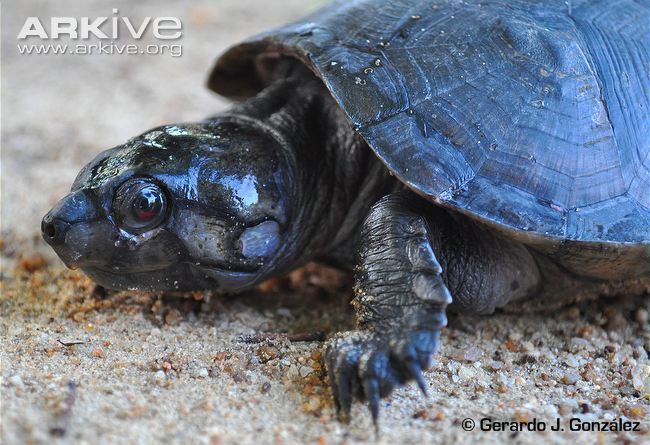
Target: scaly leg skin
(400,303)
(401,293)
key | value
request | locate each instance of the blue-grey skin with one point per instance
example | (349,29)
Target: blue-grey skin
(493,152)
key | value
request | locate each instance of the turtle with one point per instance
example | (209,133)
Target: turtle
(479,154)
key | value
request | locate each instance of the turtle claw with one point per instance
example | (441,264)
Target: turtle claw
(412,365)
(416,374)
(371,391)
(343,377)
(345,399)
(368,366)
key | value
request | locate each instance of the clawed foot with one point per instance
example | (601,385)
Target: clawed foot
(367,365)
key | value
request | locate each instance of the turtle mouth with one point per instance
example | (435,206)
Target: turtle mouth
(226,267)
(179,277)
(115,265)
(226,276)
(146,281)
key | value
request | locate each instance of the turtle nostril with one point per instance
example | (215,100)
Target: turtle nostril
(49,230)
(53,230)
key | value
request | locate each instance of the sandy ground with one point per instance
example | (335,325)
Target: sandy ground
(151,368)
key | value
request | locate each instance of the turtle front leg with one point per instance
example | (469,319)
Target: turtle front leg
(400,304)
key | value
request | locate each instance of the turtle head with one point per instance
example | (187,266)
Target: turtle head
(196,206)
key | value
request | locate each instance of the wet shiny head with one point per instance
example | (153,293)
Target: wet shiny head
(198,206)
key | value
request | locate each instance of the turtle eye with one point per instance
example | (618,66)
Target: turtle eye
(140,205)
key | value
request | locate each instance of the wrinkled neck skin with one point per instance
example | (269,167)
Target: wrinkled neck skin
(335,177)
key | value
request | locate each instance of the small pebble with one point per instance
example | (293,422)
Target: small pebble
(172,317)
(568,406)
(528,359)
(496,365)
(267,353)
(97,353)
(159,377)
(637,412)
(466,373)
(512,345)
(573,313)
(615,319)
(427,414)
(550,412)
(472,354)
(453,366)
(292,372)
(618,358)
(32,262)
(503,380)
(577,344)
(570,378)
(641,378)
(16,380)
(523,417)
(201,373)
(527,346)
(641,316)
(572,361)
